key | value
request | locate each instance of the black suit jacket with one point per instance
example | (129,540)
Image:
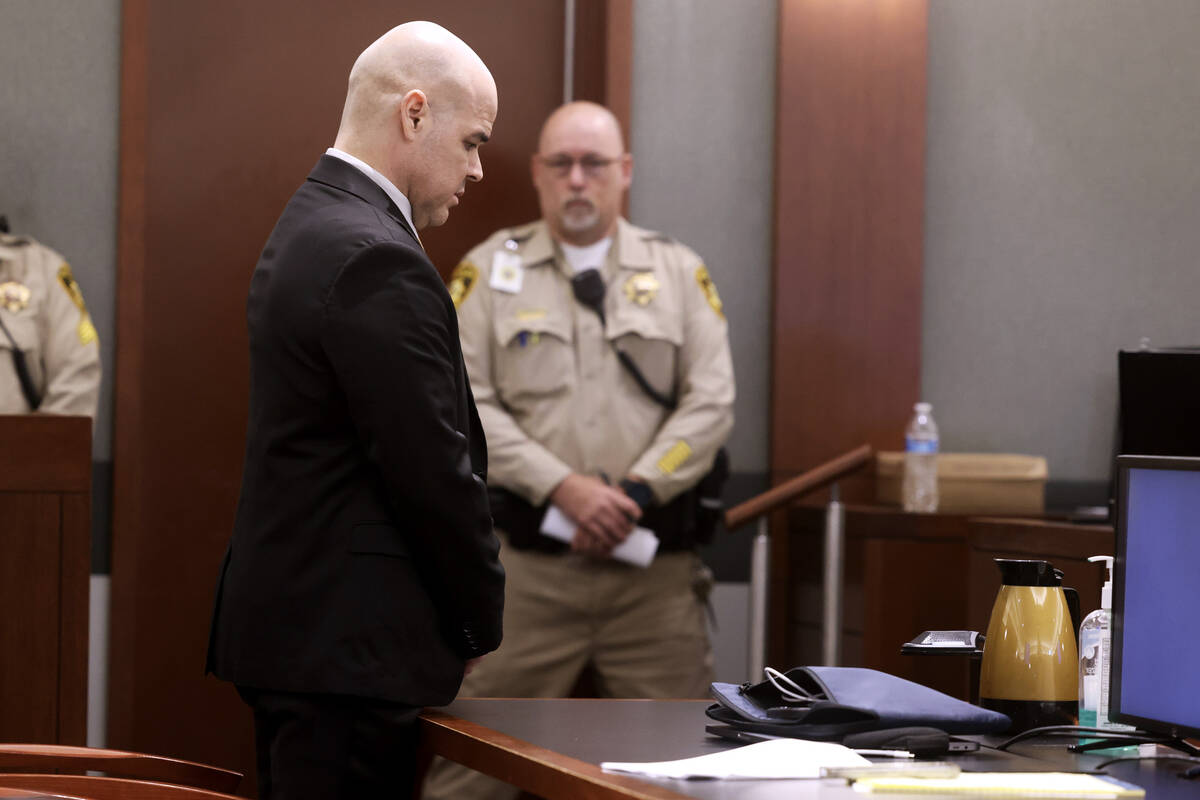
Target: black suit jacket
(362,560)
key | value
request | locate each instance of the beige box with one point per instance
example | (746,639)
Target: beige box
(972,483)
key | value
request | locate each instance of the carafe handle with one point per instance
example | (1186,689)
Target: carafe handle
(1073,607)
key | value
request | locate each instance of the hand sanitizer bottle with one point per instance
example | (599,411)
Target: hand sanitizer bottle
(1095,659)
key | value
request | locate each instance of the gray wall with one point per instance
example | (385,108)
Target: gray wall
(58,162)
(1062,194)
(703,143)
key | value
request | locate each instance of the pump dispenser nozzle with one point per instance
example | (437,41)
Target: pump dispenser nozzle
(1106,590)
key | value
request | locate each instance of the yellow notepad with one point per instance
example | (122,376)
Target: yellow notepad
(1023,784)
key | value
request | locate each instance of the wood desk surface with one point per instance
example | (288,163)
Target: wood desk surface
(552,748)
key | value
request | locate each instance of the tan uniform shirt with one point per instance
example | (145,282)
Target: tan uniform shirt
(552,395)
(43,310)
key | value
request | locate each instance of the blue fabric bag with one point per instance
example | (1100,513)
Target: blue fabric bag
(835,701)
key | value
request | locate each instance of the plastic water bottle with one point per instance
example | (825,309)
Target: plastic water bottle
(920,489)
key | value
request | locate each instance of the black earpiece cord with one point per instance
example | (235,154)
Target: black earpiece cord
(18,357)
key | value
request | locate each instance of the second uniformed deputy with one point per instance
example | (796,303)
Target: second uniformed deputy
(599,358)
(49,353)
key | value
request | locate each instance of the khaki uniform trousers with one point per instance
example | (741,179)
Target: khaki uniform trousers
(643,630)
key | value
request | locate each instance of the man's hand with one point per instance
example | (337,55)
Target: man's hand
(604,514)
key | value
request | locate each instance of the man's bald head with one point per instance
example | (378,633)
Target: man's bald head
(581,172)
(415,55)
(583,115)
(415,95)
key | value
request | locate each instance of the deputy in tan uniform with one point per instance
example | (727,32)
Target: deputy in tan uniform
(49,353)
(569,426)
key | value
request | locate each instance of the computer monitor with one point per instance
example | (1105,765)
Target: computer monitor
(1159,401)
(1155,682)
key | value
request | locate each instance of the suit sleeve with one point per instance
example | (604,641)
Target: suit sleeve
(391,335)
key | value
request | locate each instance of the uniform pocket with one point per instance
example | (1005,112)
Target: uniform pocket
(378,538)
(533,356)
(651,335)
(655,359)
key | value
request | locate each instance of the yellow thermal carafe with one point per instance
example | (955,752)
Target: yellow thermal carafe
(1030,657)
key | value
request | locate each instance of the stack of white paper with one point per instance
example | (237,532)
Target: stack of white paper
(777,758)
(638,549)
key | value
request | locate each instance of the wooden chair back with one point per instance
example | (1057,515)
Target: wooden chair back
(55,758)
(90,787)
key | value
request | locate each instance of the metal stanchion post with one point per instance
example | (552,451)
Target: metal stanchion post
(831,632)
(759,557)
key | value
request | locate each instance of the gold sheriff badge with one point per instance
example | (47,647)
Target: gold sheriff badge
(641,288)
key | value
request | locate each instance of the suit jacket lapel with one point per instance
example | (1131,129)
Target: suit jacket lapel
(340,175)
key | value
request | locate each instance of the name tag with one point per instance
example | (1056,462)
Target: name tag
(507,272)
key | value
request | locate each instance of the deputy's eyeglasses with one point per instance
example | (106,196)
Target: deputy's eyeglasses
(592,165)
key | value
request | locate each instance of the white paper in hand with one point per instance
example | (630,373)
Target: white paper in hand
(777,758)
(638,549)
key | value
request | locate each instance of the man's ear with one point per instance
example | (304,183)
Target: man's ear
(414,113)
(626,170)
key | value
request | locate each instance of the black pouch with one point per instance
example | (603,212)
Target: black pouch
(710,508)
(522,521)
(842,700)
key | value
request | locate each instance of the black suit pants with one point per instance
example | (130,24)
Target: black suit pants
(332,747)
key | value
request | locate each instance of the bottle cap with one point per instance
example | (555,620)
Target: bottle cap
(1106,590)
(923,408)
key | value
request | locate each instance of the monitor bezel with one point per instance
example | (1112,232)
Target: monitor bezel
(1125,463)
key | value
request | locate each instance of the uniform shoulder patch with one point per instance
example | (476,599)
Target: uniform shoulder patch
(462,281)
(86,330)
(710,290)
(71,287)
(673,459)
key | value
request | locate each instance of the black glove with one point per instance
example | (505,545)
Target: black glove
(638,492)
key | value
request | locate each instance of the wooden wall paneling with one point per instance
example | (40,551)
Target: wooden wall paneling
(591,40)
(42,454)
(29,530)
(45,530)
(225,107)
(848,229)
(129,387)
(915,582)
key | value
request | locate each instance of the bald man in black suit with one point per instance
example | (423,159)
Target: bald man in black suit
(362,577)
